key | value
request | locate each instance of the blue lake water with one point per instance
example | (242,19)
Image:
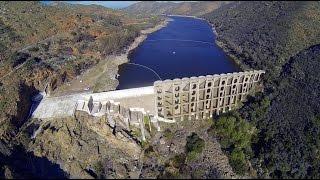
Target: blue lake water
(184,48)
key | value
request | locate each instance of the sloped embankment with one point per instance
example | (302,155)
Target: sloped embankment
(282,38)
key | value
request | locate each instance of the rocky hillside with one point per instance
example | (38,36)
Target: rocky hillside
(183,8)
(282,38)
(84,146)
(45,46)
(267,34)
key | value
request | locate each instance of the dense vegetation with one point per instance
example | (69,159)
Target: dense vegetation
(265,35)
(236,137)
(290,130)
(183,8)
(282,38)
(194,146)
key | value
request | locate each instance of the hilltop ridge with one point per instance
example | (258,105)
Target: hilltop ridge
(182,8)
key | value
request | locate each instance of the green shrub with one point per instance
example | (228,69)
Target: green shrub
(98,168)
(146,121)
(168,134)
(234,131)
(236,136)
(194,146)
(145,144)
(178,160)
(18,58)
(34,49)
(2,105)
(150,152)
(136,133)
(238,161)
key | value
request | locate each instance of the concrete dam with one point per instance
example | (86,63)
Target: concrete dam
(166,101)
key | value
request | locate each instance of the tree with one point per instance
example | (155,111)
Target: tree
(236,136)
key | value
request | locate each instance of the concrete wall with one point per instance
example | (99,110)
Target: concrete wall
(124,93)
(175,100)
(63,106)
(203,96)
(116,114)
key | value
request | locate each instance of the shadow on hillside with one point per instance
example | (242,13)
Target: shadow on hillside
(26,165)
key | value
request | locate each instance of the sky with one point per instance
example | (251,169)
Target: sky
(109,4)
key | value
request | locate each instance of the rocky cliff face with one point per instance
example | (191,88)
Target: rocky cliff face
(167,156)
(86,147)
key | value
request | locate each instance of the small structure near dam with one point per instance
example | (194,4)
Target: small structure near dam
(166,101)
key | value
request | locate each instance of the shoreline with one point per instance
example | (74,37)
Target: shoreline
(124,58)
(239,65)
(106,79)
(195,17)
(225,49)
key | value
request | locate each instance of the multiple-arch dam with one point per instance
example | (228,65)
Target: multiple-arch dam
(214,85)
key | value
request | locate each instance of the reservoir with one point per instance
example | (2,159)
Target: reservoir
(184,48)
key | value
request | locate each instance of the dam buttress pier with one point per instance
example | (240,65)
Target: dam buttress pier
(203,96)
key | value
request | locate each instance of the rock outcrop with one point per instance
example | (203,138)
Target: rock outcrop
(87,147)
